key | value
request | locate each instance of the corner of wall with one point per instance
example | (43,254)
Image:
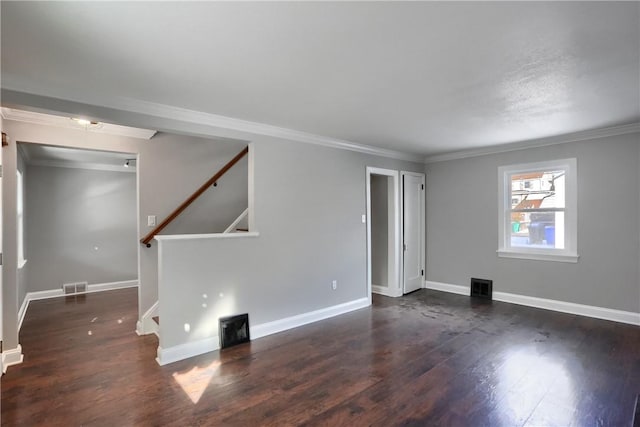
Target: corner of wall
(11,357)
(146,325)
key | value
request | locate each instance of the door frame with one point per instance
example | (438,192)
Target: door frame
(393,229)
(423,216)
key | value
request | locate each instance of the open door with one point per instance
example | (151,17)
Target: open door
(413,230)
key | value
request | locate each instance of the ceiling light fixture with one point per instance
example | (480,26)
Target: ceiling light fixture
(86,123)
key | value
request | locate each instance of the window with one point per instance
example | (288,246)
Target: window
(20,219)
(538,211)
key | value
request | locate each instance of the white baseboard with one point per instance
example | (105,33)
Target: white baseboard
(11,357)
(187,350)
(306,318)
(621,316)
(386,291)
(98,287)
(146,325)
(54,293)
(446,287)
(570,307)
(190,349)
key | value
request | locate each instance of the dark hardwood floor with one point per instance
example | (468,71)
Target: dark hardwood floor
(426,359)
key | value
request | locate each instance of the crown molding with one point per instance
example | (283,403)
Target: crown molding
(66,122)
(10,82)
(224,122)
(534,143)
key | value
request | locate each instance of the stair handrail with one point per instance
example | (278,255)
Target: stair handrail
(146,240)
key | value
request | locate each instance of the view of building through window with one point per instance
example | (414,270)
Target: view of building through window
(537,209)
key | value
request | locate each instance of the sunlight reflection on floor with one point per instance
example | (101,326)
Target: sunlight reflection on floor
(195,381)
(525,378)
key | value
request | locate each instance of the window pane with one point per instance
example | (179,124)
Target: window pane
(538,230)
(538,190)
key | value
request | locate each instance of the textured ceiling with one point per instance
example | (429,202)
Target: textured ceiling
(421,77)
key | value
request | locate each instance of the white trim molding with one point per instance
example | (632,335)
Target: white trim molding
(446,287)
(16,87)
(161,237)
(535,143)
(20,86)
(570,307)
(603,313)
(386,291)
(194,348)
(69,123)
(394,241)
(11,357)
(54,293)
(572,258)
(187,350)
(276,326)
(231,228)
(566,252)
(146,325)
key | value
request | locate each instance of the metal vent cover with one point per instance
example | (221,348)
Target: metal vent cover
(482,288)
(75,288)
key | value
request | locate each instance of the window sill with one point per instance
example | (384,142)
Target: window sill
(21,264)
(571,258)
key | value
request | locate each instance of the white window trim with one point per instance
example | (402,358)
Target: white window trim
(569,253)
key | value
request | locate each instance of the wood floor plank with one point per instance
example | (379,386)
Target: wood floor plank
(428,358)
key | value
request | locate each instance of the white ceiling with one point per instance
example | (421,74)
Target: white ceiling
(421,77)
(50,155)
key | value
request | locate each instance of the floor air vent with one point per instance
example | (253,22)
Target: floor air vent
(234,330)
(75,288)
(482,288)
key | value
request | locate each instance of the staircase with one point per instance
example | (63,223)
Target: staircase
(149,323)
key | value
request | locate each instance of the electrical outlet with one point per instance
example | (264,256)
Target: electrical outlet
(334,285)
(151,221)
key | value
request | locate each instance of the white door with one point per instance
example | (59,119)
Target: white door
(413,230)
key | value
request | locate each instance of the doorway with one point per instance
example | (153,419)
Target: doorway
(413,231)
(383,232)
(81,224)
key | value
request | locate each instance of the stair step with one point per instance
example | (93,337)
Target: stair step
(156,319)
(242,229)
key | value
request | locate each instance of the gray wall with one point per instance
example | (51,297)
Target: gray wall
(379,230)
(170,167)
(308,206)
(462,225)
(81,226)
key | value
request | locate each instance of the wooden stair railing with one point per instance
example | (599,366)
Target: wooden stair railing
(146,240)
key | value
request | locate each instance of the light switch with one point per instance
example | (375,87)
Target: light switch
(151,221)
(364,219)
